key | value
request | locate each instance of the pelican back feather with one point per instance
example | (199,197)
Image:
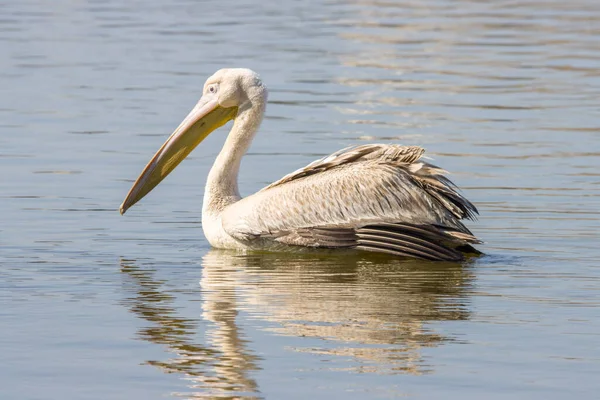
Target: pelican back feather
(374,197)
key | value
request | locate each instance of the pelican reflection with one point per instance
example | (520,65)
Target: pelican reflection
(219,367)
(371,315)
(378,311)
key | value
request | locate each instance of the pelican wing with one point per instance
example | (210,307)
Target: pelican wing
(375,197)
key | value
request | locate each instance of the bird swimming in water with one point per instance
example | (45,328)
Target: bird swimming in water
(377,197)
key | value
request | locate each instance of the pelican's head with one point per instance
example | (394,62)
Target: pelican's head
(233,87)
(224,93)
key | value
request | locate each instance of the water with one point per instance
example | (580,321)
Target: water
(99,306)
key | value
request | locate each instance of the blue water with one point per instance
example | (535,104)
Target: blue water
(98,306)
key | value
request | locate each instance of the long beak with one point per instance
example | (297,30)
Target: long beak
(206,116)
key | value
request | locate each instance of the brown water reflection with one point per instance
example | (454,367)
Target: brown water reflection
(371,315)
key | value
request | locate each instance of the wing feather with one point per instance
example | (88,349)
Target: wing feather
(328,202)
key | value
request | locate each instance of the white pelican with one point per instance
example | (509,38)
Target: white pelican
(376,197)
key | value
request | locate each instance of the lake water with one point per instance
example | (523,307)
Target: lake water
(97,306)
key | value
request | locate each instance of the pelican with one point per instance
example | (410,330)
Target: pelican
(376,197)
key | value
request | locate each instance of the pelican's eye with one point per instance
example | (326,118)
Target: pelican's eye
(212,89)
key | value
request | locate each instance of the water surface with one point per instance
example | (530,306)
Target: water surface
(98,306)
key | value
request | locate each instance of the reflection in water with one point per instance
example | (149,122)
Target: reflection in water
(373,312)
(220,367)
